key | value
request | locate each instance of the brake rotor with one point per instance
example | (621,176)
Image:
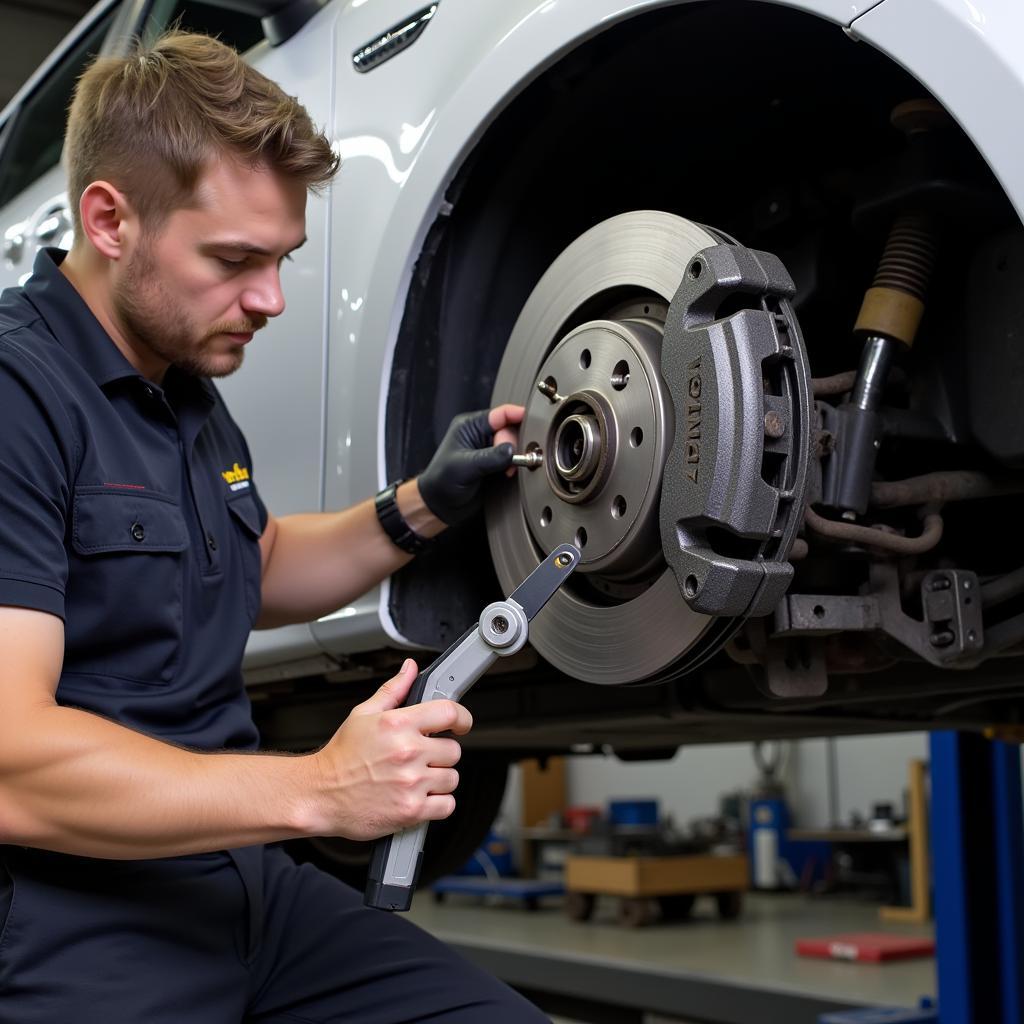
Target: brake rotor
(586,359)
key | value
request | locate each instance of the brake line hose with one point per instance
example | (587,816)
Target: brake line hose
(931,534)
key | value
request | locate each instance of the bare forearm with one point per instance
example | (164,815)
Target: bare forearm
(77,783)
(319,563)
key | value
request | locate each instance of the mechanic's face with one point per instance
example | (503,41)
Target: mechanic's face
(193,292)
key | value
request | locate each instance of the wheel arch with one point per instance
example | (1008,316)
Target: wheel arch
(492,236)
(987,41)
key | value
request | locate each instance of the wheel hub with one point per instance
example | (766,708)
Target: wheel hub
(600,445)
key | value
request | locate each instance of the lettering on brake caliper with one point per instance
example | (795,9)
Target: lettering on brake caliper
(693,411)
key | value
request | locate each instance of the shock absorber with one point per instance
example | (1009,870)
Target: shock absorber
(888,321)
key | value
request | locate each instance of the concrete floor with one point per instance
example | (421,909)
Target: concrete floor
(757,950)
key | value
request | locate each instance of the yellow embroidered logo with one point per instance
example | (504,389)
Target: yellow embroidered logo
(237,477)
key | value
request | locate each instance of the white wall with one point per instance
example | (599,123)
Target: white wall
(686,787)
(871,769)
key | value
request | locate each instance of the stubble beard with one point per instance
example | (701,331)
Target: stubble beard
(156,322)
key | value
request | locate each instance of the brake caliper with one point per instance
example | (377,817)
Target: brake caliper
(735,481)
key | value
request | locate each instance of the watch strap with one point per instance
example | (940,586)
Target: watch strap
(391,519)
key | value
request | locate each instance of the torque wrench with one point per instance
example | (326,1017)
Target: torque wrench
(502,629)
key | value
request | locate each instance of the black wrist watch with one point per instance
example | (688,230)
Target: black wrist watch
(394,524)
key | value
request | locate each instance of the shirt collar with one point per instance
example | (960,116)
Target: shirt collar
(72,321)
(81,335)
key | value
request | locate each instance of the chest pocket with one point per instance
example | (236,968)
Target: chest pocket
(124,600)
(245,517)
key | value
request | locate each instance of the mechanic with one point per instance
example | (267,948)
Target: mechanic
(141,881)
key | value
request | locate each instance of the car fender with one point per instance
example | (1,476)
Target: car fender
(971,58)
(404,130)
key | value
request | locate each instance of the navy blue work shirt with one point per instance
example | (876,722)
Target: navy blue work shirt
(130,511)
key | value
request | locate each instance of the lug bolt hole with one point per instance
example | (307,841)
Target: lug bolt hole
(695,269)
(499,624)
(636,437)
(585,359)
(545,516)
(690,586)
(819,611)
(581,538)
(619,506)
(620,375)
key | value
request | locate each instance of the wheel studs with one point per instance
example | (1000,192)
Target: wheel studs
(549,388)
(532,459)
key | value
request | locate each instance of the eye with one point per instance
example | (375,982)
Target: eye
(232,264)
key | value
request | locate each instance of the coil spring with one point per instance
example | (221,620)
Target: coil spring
(909,257)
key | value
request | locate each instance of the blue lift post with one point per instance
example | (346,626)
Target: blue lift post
(977,833)
(977,826)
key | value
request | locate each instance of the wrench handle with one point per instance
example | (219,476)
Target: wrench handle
(395,868)
(396,859)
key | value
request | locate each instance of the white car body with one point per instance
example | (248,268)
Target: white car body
(402,147)
(314,393)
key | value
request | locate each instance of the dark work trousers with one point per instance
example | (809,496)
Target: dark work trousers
(221,938)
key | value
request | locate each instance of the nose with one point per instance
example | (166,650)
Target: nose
(264,295)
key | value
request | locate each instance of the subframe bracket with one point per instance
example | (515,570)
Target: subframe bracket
(951,634)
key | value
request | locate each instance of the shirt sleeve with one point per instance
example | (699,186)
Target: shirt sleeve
(36,466)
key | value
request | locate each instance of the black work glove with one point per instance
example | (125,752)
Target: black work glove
(451,483)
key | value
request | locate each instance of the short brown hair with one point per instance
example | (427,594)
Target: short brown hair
(150,122)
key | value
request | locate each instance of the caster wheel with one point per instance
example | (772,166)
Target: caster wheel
(579,906)
(637,913)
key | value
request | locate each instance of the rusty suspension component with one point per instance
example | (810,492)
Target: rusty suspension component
(931,534)
(938,488)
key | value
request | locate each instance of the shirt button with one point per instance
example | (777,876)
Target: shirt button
(149,391)
(212,541)
(138,532)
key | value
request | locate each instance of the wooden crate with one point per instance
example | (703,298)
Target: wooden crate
(657,876)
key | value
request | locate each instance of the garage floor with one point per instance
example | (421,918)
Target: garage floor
(752,957)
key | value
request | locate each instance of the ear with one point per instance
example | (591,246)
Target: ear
(108,220)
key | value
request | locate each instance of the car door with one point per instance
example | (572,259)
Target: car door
(33,199)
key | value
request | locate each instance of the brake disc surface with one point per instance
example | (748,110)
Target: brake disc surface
(667,391)
(591,331)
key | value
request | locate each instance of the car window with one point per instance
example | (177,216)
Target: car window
(241,31)
(36,133)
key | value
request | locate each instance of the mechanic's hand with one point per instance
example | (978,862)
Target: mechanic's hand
(383,771)
(477,444)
